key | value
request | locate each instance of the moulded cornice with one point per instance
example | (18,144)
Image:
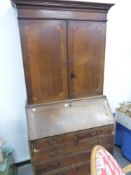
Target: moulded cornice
(64,4)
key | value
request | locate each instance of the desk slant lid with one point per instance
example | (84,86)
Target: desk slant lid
(68,116)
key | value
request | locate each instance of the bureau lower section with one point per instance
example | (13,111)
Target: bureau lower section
(69,154)
(62,135)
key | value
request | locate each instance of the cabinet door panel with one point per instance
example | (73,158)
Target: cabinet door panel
(86,40)
(45,59)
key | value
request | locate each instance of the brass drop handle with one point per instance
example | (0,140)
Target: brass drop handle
(55,165)
(54,154)
(93,133)
(54,141)
(73,75)
(36,150)
(77,140)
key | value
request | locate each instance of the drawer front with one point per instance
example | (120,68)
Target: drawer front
(80,169)
(83,169)
(66,163)
(55,141)
(61,163)
(57,152)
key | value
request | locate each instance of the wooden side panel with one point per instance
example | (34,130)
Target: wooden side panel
(86,47)
(45,59)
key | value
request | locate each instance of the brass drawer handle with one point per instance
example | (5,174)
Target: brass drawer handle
(54,165)
(94,133)
(33,148)
(36,150)
(54,154)
(98,142)
(51,154)
(54,141)
(77,140)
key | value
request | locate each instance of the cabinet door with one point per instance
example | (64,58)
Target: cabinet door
(45,59)
(86,40)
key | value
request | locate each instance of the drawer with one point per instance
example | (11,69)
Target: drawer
(79,169)
(53,153)
(66,162)
(56,141)
(93,133)
(61,163)
(83,169)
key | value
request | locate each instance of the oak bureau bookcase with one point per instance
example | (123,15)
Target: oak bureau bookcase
(63,44)
(63,48)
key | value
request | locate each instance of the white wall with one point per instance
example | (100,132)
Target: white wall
(117,83)
(12,86)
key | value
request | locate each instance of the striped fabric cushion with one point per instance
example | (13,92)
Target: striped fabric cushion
(106,164)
